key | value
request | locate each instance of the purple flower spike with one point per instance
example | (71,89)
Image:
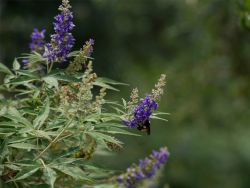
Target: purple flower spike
(142,112)
(62,41)
(37,40)
(147,168)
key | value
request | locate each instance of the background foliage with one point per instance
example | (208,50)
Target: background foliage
(203,47)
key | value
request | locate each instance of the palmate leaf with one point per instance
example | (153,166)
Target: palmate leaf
(51,81)
(5,69)
(73,171)
(67,78)
(18,140)
(109,81)
(42,134)
(25,173)
(63,76)
(104,85)
(63,160)
(14,115)
(159,118)
(106,186)
(25,146)
(96,172)
(27,73)
(105,138)
(114,130)
(34,57)
(22,80)
(50,176)
(5,132)
(43,115)
(3,150)
(107,124)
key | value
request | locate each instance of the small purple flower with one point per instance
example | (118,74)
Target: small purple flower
(37,44)
(89,47)
(142,112)
(145,169)
(62,41)
(25,62)
(37,40)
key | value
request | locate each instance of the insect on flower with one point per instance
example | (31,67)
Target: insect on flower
(141,115)
(145,126)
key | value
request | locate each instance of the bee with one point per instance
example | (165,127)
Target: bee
(144,126)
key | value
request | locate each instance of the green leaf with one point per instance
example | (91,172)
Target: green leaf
(114,130)
(43,115)
(73,171)
(155,117)
(104,137)
(8,131)
(5,69)
(24,146)
(15,116)
(63,160)
(109,81)
(104,85)
(51,81)
(26,73)
(3,150)
(42,134)
(16,65)
(50,175)
(25,173)
(66,78)
(124,103)
(34,57)
(22,80)
(13,167)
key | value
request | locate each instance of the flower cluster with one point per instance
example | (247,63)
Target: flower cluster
(62,41)
(37,44)
(138,114)
(80,60)
(37,40)
(146,169)
(158,90)
(142,112)
(89,47)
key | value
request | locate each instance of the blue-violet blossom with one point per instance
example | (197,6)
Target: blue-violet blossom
(37,40)
(37,43)
(142,112)
(62,41)
(146,168)
(89,46)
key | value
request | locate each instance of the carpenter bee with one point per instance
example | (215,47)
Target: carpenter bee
(144,126)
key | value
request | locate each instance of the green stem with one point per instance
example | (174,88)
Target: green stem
(50,68)
(53,141)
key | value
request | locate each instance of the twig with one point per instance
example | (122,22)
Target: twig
(53,141)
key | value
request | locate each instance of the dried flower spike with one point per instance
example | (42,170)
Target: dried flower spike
(158,90)
(82,57)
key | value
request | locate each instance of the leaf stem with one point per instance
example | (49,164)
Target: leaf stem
(53,141)
(50,68)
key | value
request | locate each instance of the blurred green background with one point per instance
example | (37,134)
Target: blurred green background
(204,48)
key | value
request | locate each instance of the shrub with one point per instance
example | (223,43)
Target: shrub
(53,120)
